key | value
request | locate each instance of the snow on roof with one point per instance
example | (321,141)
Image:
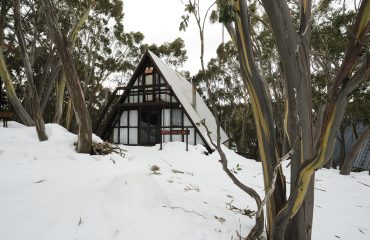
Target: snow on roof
(183,90)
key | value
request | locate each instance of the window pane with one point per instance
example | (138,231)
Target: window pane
(176,138)
(133,118)
(148,79)
(166,117)
(123,136)
(153,119)
(148,94)
(177,117)
(165,97)
(144,135)
(153,135)
(133,135)
(124,118)
(133,99)
(165,138)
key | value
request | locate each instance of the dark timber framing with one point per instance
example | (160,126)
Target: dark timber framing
(148,97)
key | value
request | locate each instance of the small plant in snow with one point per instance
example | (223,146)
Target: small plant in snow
(236,169)
(192,187)
(246,212)
(155,169)
(220,219)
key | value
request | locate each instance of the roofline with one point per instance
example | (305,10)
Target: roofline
(209,148)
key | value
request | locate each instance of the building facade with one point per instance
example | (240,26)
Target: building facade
(159,105)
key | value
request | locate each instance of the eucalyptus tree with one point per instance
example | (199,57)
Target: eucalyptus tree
(311,138)
(5,74)
(33,95)
(192,8)
(233,105)
(173,53)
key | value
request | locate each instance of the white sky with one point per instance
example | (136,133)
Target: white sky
(159,21)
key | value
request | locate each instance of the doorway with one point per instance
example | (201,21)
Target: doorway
(150,121)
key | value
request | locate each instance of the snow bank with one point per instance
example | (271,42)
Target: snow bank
(48,191)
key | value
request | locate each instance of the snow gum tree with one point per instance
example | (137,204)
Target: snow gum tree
(72,79)
(311,134)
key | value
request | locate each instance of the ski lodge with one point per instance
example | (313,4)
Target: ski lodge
(158,105)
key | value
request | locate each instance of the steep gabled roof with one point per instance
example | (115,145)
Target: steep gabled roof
(183,91)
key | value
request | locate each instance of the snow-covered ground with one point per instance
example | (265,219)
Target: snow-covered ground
(48,191)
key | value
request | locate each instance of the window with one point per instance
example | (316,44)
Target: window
(176,117)
(149,79)
(148,94)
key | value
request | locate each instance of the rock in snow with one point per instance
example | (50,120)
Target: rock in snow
(49,192)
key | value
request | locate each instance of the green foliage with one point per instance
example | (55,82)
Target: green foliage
(226,11)
(173,53)
(103,51)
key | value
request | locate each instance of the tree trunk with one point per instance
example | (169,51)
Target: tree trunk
(59,98)
(333,116)
(349,160)
(342,154)
(5,76)
(68,119)
(10,92)
(55,72)
(31,87)
(262,112)
(73,82)
(293,49)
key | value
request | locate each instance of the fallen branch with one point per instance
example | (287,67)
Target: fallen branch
(363,184)
(257,229)
(177,171)
(319,189)
(40,181)
(185,210)
(246,212)
(106,148)
(270,189)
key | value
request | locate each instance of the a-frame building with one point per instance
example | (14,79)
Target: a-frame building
(157,99)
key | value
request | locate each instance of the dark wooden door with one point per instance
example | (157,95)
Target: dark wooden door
(150,122)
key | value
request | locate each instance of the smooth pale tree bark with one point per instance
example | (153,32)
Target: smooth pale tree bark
(257,229)
(314,149)
(68,119)
(31,87)
(10,92)
(5,76)
(262,111)
(51,82)
(293,49)
(59,98)
(345,82)
(60,86)
(349,160)
(72,80)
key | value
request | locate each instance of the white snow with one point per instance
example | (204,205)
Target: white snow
(48,191)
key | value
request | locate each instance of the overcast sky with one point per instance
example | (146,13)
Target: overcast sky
(159,21)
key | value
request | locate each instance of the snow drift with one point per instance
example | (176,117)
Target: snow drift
(48,191)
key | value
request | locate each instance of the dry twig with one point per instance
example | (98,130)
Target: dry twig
(106,148)
(185,210)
